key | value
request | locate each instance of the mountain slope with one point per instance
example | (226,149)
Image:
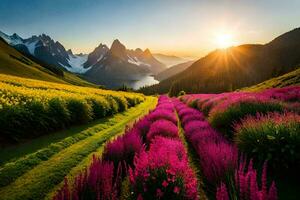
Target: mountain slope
(173,70)
(288,79)
(95,56)
(168,60)
(15,63)
(42,47)
(236,67)
(53,53)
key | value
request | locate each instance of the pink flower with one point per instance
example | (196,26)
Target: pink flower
(165,183)
(176,190)
(159,193)
(140,197)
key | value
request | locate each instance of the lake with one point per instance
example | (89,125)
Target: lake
(143,81)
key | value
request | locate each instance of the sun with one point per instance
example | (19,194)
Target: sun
(224,40)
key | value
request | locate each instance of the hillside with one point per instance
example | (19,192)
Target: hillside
(288,79)
(15,63)
(235,67)
(173,70)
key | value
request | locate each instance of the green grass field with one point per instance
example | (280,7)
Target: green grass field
(43,177)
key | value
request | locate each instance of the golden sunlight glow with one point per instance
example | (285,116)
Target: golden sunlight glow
(224,40)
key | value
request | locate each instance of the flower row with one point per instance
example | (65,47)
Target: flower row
(219,160)
(151,152)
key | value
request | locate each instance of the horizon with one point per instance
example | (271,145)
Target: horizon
(214,24)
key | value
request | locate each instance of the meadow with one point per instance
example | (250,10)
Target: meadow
(119,145)
(237,145)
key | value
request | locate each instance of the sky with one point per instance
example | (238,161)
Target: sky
(187,28)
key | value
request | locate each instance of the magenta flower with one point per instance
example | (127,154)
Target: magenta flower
(222,193)
(162,114)
(167,161)
(98,182)
(162,128)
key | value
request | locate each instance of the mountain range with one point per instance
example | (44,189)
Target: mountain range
(219,71)
(111,67)
(236,67)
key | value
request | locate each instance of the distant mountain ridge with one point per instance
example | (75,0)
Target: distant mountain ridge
(235,67)
(116,63)
(169,60)
(173,70)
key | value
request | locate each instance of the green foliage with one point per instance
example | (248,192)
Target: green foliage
(23,121)
(274,138)
(101,108)
(37,118)
(58,113)
(122,103)
(80,111)
(113,105)
(133,101)
(225,119)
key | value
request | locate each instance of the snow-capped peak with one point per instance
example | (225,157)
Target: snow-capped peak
(77,61)
(13,39)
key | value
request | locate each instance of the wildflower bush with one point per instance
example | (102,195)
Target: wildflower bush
(229,112)
(164,128)
(30,107)
(163,172)
(97,182)
(274,137)
(124,148)
(225,109)
(246,185)
(223,172)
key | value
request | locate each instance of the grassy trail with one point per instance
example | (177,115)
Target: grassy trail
(40,180)
(86,161)
(193,162)
(13,153)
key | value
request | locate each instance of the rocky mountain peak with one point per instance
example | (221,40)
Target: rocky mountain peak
(118,49)
(15,36)
(147,53)
(138,51)
(70,52)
